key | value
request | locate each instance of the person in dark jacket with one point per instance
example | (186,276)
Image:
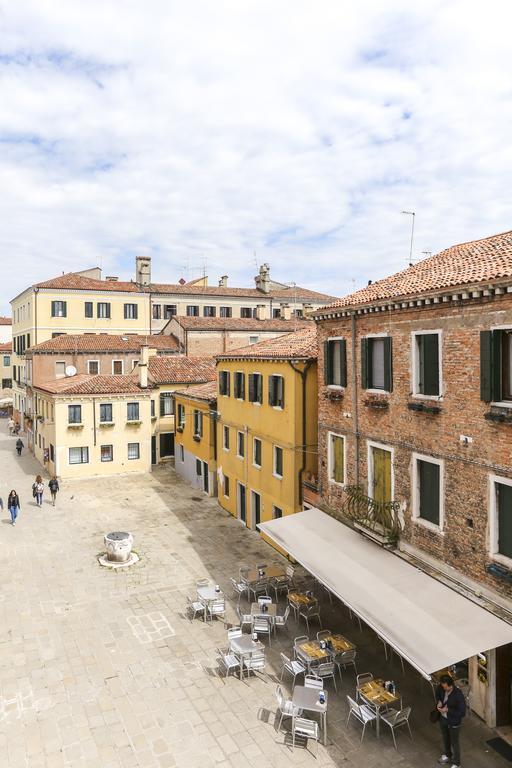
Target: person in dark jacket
(451,705)
(19,445)
(13,505)
(53,485)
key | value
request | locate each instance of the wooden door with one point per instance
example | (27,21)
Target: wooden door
(381,490)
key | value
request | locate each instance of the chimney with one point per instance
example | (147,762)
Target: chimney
(261,312)
(143,366)
(263,279)
(307,308)
(223,282)
(111,278)
(143,270)
(286,312)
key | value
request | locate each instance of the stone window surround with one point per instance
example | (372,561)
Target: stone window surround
(415,364)
(415,495)
(330,435)
(493,520)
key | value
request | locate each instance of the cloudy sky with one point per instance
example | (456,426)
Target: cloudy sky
(229,132)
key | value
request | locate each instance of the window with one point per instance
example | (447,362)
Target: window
(298,312)
(256,508)
(239,385)
(117,367)
(131,312)
(224,382)
(427,490)
(240,445)
(60,369)
(209,311)
(132,412)
(59,308)
(107,452)
(501,518)
(182,454)
(256,452)
(192,310)
(278,461)
(55,334)
(166,404)
(376,363)
(336,458)
(74,414)
(170,310)
(226,486)
(103,309)
(93,367)
(253,339)
(426,364)
(496,365)
(277,512)
(245,312)
(88,308)
(181,415)
(7,361)
(276,312)
(105,413)
(255,388)
(276,391)
(78,455)
(198,423)
(335,363)
(133,451)
(199,467)
(152,406)
(226,312)
(157,311)
(52,452)
(225,438)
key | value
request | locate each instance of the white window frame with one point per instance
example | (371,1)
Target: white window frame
(257,466)
(132,458)
(502,403)
(255,402)
(335,338)
(383,335)
(225,430)
(238,455)
(415,492)
(93,361)
(415,364)
(122,367)
(106,461)
(274,473)
(80,448)
(242,373)
(330,461)
(277,375)
(372,444)
(493,520)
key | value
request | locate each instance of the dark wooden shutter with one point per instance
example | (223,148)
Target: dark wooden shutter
(343,362)
(271,381)
(259,388)
(429,491)
(252,393)
(388,364)
(497,361)
(504,502)
(429,364)
(364,363)
(327,362)
(281,392)
(486,372)
(162,405)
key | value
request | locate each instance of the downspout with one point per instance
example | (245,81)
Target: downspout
(354,396)
(302,373)
(94,418)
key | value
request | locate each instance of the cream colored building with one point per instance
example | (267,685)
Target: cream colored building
(5,368)
(5,330)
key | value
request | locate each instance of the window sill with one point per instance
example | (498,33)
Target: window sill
(75,426)
(428,525)
(134,422)
(377,391)
(197,438)
(334,393)
(335,482)
(240,457)
(107,423)
(256,466)
(434,398)
(378,402)
(277,477)
(500,413)
(179,429)
(424,408)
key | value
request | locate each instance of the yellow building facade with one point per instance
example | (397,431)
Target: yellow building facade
(267,426)
(196,436)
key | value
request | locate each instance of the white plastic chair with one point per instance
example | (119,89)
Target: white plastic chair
(256,662)
(285,707)
(362,713)
(262,626)
(245,618)
(308,729)
(346,659)
(228,660)
(310,611)
(312,681)
(327,671)
(239,588)
(280,621)
(323,633)
(395,719)
(217,607)
(293,667)
(234,632)
(194,607)
(264,600)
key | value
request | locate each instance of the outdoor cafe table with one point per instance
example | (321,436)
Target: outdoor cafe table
(312,651)
(207,594)
(375,694)
(307,699)
(301,599)
(272,572)
(271,612)
(244,645)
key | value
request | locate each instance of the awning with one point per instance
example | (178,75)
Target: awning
(426,622)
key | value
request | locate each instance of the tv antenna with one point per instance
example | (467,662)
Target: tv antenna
(412,214)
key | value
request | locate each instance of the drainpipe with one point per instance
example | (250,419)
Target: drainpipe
(354,395)
(94,418)
(302,373)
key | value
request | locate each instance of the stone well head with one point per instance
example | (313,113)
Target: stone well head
(118,545)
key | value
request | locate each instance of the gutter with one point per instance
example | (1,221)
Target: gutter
(302,373)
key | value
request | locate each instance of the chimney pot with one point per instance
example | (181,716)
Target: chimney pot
(143,366)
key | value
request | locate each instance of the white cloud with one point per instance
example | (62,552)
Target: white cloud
(296,129)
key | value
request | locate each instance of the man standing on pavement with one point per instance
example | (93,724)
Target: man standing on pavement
(53,485)
(19,445)
(451,705)
(10,425)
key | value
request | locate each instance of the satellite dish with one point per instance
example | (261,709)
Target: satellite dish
(70,370)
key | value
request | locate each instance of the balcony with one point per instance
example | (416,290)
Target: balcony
(377,520)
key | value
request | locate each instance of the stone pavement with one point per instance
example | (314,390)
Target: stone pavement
(102,669)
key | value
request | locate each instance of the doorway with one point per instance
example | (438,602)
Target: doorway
(166,445)
(241,510)
(153,449)
(380,474)
(255,509)
(206,478)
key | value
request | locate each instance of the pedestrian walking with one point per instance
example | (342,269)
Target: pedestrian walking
(17,428)
(10,425)
(13,505)
(53,485)
(19,446)
(451,705)
(38,490)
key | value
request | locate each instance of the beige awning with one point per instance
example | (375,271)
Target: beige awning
(425,621)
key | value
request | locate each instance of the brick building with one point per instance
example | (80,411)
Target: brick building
(415,420)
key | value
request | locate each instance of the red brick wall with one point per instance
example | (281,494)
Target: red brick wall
(464,544)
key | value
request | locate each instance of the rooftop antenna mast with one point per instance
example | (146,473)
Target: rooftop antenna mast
(413,217)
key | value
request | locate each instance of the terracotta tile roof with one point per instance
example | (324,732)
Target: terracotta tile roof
(177,369)
(206,392)
(6,346)
(5,320)
(287,294)
(240,324)
(472,263)
(84,384)
(104,342)
(73,281)
(300,345)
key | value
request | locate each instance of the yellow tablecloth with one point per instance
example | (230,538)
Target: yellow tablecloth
(375,693)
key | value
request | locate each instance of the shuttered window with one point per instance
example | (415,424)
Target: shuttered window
(496,365)
(427,364)
(377,363)
(335,362)
(256,452)
(255,388)
(239,385)
(337,459)
(224,382)
(166,404)
(276,391)
(504,510)
(59,308)
(198,423)
(429,491)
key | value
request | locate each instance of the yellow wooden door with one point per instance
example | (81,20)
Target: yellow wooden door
(381,461)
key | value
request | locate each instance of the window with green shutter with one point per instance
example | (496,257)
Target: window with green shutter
(504,513)
(337,459)
(255,388)
(429,485)
(335,362)
(427,368)
(377,363)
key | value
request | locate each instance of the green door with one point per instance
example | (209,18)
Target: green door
(381,477)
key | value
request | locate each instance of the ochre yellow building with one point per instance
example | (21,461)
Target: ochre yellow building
(267,426)
(196,436)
